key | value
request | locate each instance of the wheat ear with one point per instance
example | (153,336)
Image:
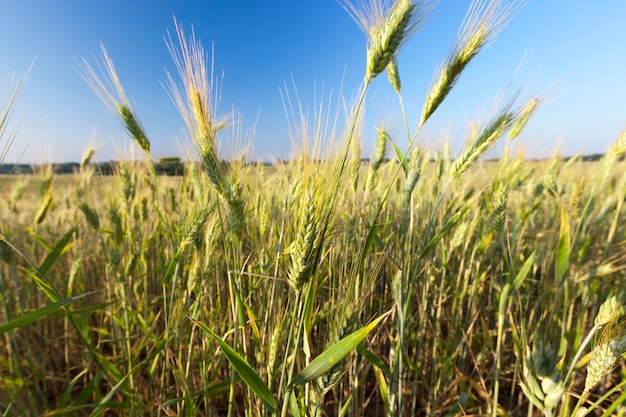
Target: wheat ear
(482,141)
(110,90)
(483,22)
(388,29)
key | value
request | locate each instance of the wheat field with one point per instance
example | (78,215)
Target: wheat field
(407,282)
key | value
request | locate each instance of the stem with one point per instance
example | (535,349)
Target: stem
(298,313)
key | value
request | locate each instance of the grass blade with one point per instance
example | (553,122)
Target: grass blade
(563,252)
(245,371)
(523,273)
(33,316)
(329,358)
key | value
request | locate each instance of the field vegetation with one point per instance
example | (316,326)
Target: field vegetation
(417,283)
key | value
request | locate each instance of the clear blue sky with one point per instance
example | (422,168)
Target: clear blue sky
(573,52)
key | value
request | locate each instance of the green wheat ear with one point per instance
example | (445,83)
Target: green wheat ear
(387,30)
(387,38)
(483,22)
(611,344)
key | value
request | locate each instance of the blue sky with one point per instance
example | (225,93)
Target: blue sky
(573,53)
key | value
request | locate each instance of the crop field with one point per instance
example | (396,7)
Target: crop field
(407,282)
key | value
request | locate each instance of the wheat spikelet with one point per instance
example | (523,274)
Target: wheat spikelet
(264,219)
(133,127)
(86,160)
(459,236)
(548,181)
(272,353)
(497,209)
(145,209)
(611,343)
(195,226)
(481,142)
(414,172)
(117,229)
(394,75)
(387,38)
(46,183)
(483,22)
(16,194)
(303,253)
(381,149)
(75,274)
(295,190)
(527,111)
(604,358)
(110,90)
(574,199)
(130,266)
(90,215)
(128,183)
(616,153)
(193,278)
(388,29)
(213,168)
(234,198)
(618,150)
(194,99)
(377,159)
(611,310)
(44,207)
(355,162)
(194,102)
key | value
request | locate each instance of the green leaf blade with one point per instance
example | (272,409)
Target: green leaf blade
(329,358)
(33,316)
(245,371)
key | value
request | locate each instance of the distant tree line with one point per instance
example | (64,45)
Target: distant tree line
(171,166)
